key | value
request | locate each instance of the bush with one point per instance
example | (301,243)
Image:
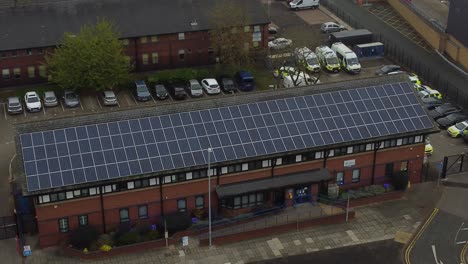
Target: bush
(83,236)
(105,239)
(128,238)
(143,228)
(177,221)
(152,235)
(200,213)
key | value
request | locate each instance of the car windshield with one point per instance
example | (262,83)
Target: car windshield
(142,89)
(196,87)
(33,99)
(353,61)
(110,97)
(248,80)
(332,60)
(312,61)
(295,1)
(14,104)
(160,89)
(70,96)
(50,98)
(460,126)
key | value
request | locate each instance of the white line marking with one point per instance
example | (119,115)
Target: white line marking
(152,98)
(81,105)
(461,242)
(44,110)
(456,236)
(63,109)
(98,101)
(352,235)
(435,255)
(5,111)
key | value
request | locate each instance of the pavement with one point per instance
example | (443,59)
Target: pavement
(433,9)
(373,223)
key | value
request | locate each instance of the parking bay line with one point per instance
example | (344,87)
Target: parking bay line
(98,101)
(5,110)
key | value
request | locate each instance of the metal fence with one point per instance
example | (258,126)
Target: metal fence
(409,61)
(455,164)
(7,227)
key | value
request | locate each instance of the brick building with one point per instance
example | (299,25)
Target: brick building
(272,148)
(157,34)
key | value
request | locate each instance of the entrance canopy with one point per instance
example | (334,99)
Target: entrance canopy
(273,183)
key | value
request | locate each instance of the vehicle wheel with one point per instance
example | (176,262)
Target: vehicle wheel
(327,31)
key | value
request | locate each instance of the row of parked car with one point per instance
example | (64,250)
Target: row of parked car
(243,80)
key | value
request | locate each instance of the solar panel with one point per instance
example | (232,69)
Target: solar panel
(129,147)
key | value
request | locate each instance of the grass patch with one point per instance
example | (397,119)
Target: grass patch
(40,89)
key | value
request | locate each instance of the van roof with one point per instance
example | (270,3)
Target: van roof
(245,74)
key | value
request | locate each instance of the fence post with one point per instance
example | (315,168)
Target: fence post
(347,208)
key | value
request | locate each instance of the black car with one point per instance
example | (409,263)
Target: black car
(443,110)
(228,85)
(160,91)
(451,119)
(431,102)
(141,91)
(178,92)
(388,69)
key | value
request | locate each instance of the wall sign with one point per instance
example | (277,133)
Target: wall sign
(349,163)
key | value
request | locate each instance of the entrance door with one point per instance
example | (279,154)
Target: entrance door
(278,197)
(302,194)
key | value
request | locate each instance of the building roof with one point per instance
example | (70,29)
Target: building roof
(43,25)
(184,148)
(290,179)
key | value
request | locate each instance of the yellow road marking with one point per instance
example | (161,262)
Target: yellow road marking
(463,254)
(418,235)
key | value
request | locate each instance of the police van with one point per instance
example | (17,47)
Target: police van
(327,58)
(348,59)
(306,57)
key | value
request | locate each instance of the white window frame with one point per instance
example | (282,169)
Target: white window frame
(319,155)
(279,161)
(358,174)
(45,198)
(369,146)
(399,142)
(349,150)
(418,139)
(167,179)
(69,194)
(224,170)
(153,181)
(188,175)
(245,166)
(92,191)
(298,158)
(266,163)
(130,185)
(331,153)
(181,36)
(342,177)
(107,188)
(77,192)
(256,28)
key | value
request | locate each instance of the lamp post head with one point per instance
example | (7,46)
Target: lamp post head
(210,150)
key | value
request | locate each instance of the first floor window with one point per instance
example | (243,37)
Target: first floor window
(143,211)
(154,38)
(42,71)
(6,74)
(143,40)
(63,225)
(200,202)
(181,36)
(31,72)
(246,28)
(83,220)
(340,178)
(155,58)
(404,165)
(182,205)
(144,58)
(181,55)
(29,52)
(256,28)
(356,175)
(17,73)
(124,217)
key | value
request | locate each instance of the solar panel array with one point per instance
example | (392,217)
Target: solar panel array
(91,153)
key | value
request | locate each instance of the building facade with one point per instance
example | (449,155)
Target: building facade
(151,44)
(277,148)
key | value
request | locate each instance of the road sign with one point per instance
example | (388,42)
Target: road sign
(185,241)
(440,165)
(27,251)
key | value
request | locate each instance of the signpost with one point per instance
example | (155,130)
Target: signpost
(185,241)
(27,251)
(440,166)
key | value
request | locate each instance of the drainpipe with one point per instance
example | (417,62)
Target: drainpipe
(325,157)
(101,191)
(217,175)
(376,148)
(161,198)
(273,164)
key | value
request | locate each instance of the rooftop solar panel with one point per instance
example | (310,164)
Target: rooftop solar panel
(130,147)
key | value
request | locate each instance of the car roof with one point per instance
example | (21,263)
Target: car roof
(109,93)
(210,81)
(13,99)
(29,94)
(49,93)
(330,23)
(193,81)
(245,74)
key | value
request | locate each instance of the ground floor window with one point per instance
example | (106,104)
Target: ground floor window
(124,217)
(356,176)
(63,225)
(182,205)
(83,220)
(340,178)
(143,211)
(243,201)
(199,202)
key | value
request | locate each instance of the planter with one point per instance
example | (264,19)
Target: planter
(376,199)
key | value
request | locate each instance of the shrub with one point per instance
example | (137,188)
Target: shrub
(128,238)
(152,235)
(177,221)
(143,228)
(105,239)
(200,213)
(83,236)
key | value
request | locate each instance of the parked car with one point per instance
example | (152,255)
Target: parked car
(414,78)
(50,99)
(272,33)
(419,87)
(245,81)
(279,43)
(303,4)
(14,105)
(108,98)
(211,86)
(284,71)
(194,88)
(457,129)
(228,85)
(329,27)
(33,102)
(443,110)
(451,119)
(70,99)
(160,91)
(431,102)
(178,92)
(141,91)
(465,135)
(388,69)
(430,94)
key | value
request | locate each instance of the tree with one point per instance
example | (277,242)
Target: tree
(93,59)
(228,37)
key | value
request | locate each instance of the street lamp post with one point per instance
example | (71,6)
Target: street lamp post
(209,195)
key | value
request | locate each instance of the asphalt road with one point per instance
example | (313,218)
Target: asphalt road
(382,252)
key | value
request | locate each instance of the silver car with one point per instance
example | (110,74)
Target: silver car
(50,99)
(195,88)
(108,98)
(70,99)
(14,105)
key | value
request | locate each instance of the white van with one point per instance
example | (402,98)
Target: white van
(304,4)
(348,59)
(307,58)
(327,58)
(299,79)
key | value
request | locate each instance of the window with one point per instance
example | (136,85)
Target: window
(199,202)
(255,44)
(40,51)
(349,150)
(130,185)
(29,52)
(144,58)
(124,215)
(155,58)
(188,175)
(63,225)
(369,146)
(359,148)
(404,165)
(340,178)
(256,28)
(124,42)
(245,200)
(210,52)
(279,161)
(42,71)
(31,72)
(181,36)
(418,139)
(331,153)
(181,55)
(181,205)
(142,211)
(246,28)
(17,73)
(224,170)
(154,38)
(167,179)
(245,166)
(356,175)
(259,198)
(153,181)
(266,163)
(83,220)
(389,170)
(399,142)
(298,158)
(6,74)
(237,202)
(143,40)
(319,155)
(69,195)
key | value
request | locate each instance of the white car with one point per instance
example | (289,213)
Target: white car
(33,102)
(279,43)
(211,86)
